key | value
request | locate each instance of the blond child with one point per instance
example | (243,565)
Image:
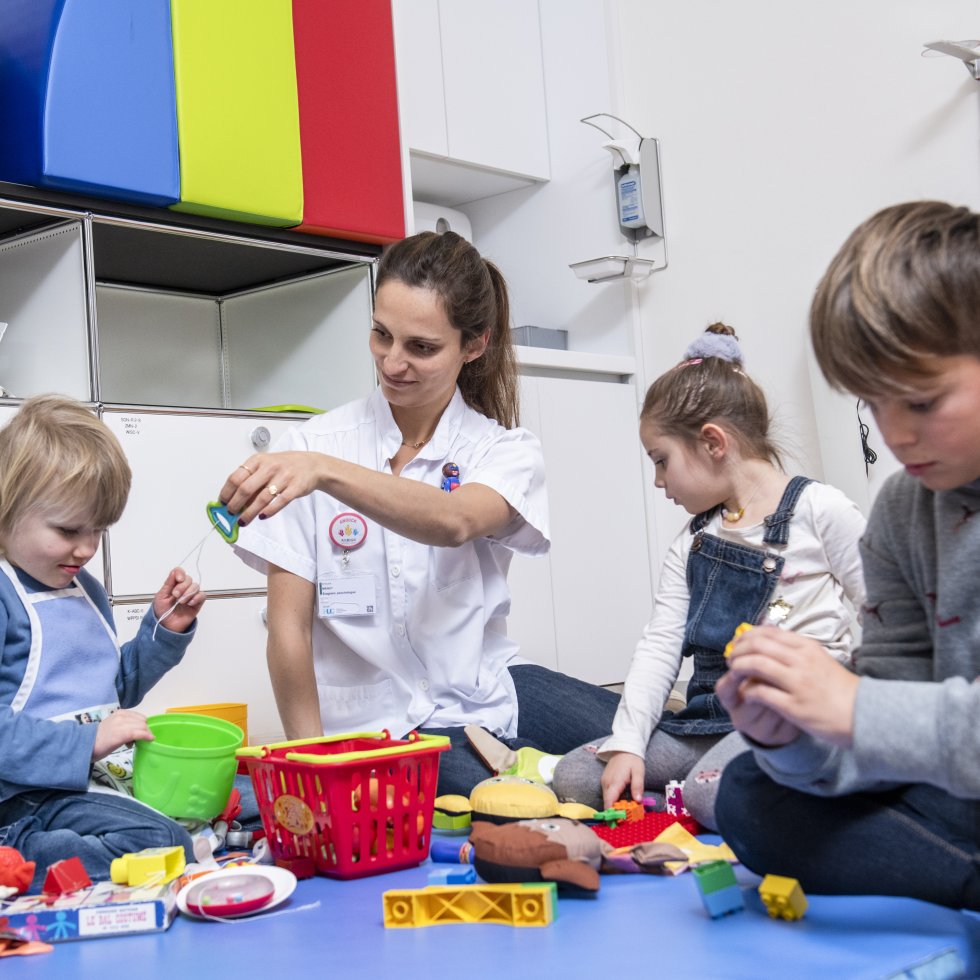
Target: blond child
(66,685)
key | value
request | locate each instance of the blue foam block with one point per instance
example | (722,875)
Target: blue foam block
(87,98)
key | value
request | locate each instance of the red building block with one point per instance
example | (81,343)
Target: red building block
(66,876)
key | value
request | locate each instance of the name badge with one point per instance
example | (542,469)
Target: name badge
(343,594)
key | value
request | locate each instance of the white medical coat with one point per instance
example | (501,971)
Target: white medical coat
(435,653)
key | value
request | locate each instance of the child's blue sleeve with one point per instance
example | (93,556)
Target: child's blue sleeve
(145,658)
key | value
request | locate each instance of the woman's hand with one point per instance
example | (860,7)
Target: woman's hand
(623,771)
(120,728)
(265,483)
(179,601)
(779,681)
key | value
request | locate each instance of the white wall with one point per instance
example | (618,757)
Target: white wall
(782,126)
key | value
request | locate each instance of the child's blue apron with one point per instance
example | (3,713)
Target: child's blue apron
(729,584)
(71,669)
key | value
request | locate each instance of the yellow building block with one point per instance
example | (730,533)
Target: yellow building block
(153,865)
(739,630)
(528,904)
(783,897)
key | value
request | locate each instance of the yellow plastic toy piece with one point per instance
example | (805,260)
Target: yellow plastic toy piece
(739,630)
(154,865)
(783,897)
(528,904)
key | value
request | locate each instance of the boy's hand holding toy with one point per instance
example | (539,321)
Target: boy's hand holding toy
(120,728)
(780,683)
(179,601)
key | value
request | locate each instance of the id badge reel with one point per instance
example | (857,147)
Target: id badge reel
(348,592)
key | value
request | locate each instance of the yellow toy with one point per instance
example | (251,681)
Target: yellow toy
(783,897)
(155,865)
(529,904)
(739,630)
(503,798)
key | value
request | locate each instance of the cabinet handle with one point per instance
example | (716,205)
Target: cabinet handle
(260,437)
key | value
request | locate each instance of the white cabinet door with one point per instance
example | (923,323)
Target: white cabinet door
(225,662)
(471,86)
(494,78)
(600,590)
(179,463)
(532,610)
(418,59)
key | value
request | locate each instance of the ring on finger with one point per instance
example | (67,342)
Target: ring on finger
(273,490)
(242,466)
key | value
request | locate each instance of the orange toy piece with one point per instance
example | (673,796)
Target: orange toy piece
(632,809)
(739,630)
(15,872)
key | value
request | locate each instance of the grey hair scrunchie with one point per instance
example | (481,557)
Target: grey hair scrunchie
(720,345)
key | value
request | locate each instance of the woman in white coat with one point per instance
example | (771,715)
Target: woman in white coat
(386,528)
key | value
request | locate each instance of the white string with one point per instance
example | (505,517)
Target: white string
(199,548)
(244,919)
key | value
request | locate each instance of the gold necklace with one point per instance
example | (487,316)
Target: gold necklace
(734,516)
(419,445)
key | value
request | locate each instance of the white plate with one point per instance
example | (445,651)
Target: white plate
(282,880)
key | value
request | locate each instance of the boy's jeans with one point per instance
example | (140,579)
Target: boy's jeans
(50,825)
(915,840)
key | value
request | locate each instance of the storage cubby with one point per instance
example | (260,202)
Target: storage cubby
(198,320)
(45,345)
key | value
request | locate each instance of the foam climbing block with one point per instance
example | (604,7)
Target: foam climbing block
(237,110)
(348,111)
(87,98)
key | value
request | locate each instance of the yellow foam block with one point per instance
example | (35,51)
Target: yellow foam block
(237,110)
(527,904)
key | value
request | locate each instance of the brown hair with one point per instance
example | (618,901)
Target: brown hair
(55,453)
(904,287)
(709,385)
(474,297)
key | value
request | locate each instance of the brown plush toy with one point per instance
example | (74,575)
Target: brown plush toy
(560,850)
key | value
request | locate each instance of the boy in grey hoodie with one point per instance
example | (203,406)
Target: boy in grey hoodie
(869,781)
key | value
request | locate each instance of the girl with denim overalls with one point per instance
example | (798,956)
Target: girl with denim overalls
(760,548)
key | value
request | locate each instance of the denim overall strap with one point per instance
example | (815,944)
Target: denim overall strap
(777,525)
(729,583)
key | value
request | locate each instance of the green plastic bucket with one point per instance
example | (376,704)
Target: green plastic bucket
(188,770)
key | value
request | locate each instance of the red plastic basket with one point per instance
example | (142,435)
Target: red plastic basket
(347,806)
